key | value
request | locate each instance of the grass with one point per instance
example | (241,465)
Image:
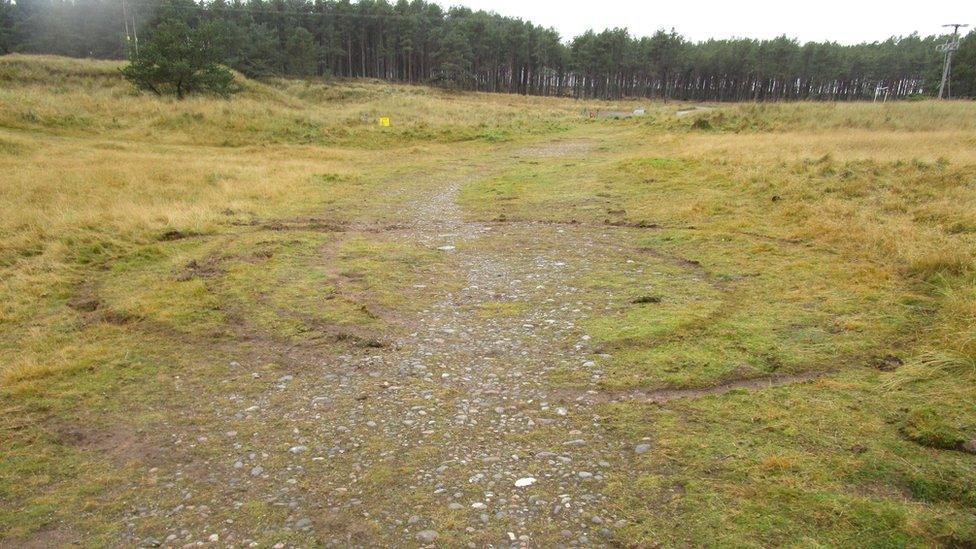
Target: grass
(141,239)
(272,112)
(819,462)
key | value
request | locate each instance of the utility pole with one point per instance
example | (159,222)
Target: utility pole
(131,36)
(878,90)
(950,47)
(125,25)
(135,34)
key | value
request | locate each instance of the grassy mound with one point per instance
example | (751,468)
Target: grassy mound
(87,98)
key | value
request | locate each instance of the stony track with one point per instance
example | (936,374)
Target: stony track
(452,435)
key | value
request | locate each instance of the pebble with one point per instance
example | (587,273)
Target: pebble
(970,446)
(525,481)
(427,536)
(642,448)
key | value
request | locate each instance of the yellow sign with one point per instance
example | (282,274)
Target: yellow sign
(384,121)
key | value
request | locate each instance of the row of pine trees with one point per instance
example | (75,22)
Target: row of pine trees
(417,41)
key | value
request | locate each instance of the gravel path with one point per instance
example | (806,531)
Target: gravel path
(450,436)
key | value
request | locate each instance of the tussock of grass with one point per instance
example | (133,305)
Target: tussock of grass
(944,364)
(28,368)
(947,262)
(927,426)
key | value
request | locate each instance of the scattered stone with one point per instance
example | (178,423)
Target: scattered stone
(472,384)
(969,446)
(889,363)
(172,234)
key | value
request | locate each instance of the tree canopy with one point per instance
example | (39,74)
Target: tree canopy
(418,41)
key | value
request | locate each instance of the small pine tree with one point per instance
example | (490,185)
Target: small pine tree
(180,59)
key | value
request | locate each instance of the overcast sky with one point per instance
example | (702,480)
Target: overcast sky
(844,21)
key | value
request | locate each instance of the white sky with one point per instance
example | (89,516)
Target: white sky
(844,21)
